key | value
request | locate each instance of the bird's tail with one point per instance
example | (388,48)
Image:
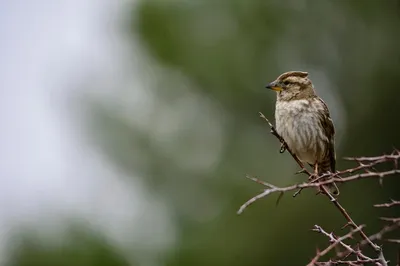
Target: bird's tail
(332,187)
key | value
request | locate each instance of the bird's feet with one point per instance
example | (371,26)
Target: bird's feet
(313,177)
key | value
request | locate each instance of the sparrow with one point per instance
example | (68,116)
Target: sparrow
(303,121)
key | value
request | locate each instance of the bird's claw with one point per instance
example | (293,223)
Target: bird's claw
(312,177)
(283,148)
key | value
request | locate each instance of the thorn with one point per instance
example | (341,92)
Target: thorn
(395,151)
(297,192)
(381,181)
(279,198)
(344,226)
(316,228)
(301,171)
(318,251)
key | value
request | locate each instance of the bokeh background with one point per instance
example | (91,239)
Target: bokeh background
(127,127)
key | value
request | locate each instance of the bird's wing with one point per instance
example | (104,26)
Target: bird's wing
(329,130)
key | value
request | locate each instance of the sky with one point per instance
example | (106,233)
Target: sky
(48,49)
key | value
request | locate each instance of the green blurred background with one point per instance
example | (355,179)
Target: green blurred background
(182,121)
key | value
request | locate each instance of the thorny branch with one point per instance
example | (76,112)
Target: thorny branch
(365,164)
(377,236)
(387,205)
(347,262)
(335,242)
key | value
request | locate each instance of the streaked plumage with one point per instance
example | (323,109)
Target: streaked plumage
(303,121)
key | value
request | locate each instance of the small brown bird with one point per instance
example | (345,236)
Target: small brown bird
(303,121)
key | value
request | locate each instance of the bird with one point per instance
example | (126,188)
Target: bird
(303,120)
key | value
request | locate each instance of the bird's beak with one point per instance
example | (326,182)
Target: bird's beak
(274,86)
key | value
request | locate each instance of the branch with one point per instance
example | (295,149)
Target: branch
(387,205)
(284,145)
(334,242)
(390,219)
(377,236)
(391,157)
(396,241)
(364,163)
(347,262)
(273,189)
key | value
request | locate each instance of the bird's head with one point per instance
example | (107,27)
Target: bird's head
(293,85)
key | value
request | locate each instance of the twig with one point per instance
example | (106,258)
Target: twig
(365,163)
(347,262)
(334,243)
(333,239)
(272,189)
(396,241)
(377,236)
(391,219)
(275,133)
(393,156)
(387,205)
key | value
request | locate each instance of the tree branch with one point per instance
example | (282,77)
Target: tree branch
(338,241)
(364,163)
(387,205)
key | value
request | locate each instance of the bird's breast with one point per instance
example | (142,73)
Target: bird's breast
(298,123)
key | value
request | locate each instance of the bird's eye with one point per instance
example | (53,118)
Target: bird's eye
(286,82)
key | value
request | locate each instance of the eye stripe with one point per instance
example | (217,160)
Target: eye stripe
(296,81)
